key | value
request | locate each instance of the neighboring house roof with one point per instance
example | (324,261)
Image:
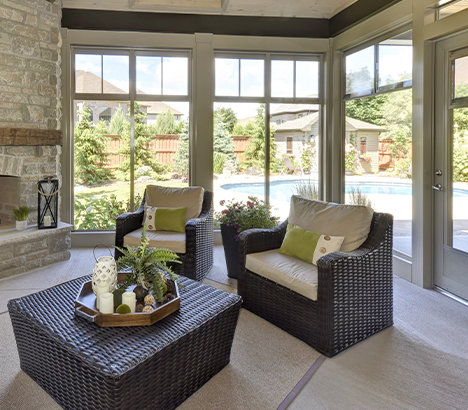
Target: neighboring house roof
(293,108)
(86,82)
(353,124)
(306,122)
(298,124)
(158,107)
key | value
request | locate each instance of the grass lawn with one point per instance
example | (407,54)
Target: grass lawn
(120,189)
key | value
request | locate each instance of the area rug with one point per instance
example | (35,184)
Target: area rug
(266,363)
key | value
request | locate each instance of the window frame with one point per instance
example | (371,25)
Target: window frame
(267,99)
(376,89)
(131,97)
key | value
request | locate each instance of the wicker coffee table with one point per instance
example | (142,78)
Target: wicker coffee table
(84,366)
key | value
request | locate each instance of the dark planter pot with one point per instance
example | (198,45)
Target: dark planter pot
(231,250)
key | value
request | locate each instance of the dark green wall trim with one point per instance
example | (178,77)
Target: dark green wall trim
(194,23)
(357,12)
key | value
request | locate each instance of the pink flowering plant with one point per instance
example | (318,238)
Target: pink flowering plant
(254,213)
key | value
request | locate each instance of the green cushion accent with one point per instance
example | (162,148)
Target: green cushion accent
(299,243)
(170,219)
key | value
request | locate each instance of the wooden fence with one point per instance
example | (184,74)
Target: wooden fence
(163,147)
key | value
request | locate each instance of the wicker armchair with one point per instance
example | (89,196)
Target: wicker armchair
(355,290)
(198,257)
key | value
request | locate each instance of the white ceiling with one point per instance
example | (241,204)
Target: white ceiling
(271,8)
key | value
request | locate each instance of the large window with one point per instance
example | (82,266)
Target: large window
(131,128)
(378,132)
(266,127)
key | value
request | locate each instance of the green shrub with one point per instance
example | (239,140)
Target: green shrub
(101,213)
(351,158)
(460,162)
(90,150)
(219,159)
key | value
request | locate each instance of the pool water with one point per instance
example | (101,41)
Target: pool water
(282,190)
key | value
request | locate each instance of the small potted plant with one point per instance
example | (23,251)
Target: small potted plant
(21,216)
(148,268)
(239,216)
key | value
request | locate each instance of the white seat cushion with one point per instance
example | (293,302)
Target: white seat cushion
(174,241)
(287,271)
(170,197)
(351,221)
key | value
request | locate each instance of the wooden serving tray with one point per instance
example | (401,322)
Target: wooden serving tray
(85,307)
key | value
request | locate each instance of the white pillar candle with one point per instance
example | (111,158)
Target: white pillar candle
(106,302)
(129,298)
(100,289)
(47,220)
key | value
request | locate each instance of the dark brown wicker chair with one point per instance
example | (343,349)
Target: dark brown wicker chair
(355,290)
(198,257)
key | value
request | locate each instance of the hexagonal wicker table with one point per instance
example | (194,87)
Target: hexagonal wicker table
(84,366)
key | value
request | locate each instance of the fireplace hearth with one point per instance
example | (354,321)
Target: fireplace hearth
(26,156)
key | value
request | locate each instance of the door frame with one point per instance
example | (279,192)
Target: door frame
(446,50)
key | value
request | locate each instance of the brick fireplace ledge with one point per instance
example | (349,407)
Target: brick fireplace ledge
(22,251)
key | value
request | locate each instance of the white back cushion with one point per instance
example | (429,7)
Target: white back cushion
(170,197)
(351,221)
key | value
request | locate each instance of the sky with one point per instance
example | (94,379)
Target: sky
(233,77)
(395,62)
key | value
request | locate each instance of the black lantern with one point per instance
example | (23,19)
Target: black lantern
(47,203)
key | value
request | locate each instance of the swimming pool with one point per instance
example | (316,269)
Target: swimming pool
(282,190)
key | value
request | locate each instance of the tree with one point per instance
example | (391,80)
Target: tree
(228,117)
(397,119)
(181,157)
(255,151)
(165,123)
(223,149)
(143,156)
(222,141)
(90,150)
(118,124)
(369,109)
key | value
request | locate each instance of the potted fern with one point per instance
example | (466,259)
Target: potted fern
(148,268)
(21,216)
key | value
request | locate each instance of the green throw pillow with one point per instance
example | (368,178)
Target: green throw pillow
(170,219)
(299,243)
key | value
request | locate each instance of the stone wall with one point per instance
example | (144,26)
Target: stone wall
(33,248)
(30,75)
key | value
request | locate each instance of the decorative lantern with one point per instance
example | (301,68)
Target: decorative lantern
(104,274)
(47,203)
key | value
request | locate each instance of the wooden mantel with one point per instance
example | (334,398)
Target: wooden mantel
(29,136)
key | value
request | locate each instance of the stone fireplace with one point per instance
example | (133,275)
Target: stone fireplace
(21,167)
(30,136)
(26,156)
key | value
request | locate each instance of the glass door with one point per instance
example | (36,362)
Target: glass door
(450,181)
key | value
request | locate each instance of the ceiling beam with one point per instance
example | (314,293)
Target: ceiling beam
(194,23)
(357,12)
(92,19)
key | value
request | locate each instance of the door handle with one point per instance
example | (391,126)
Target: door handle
(437,187)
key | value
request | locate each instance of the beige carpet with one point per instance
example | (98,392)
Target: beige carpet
(259,376)
(266,363)
(419,363)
